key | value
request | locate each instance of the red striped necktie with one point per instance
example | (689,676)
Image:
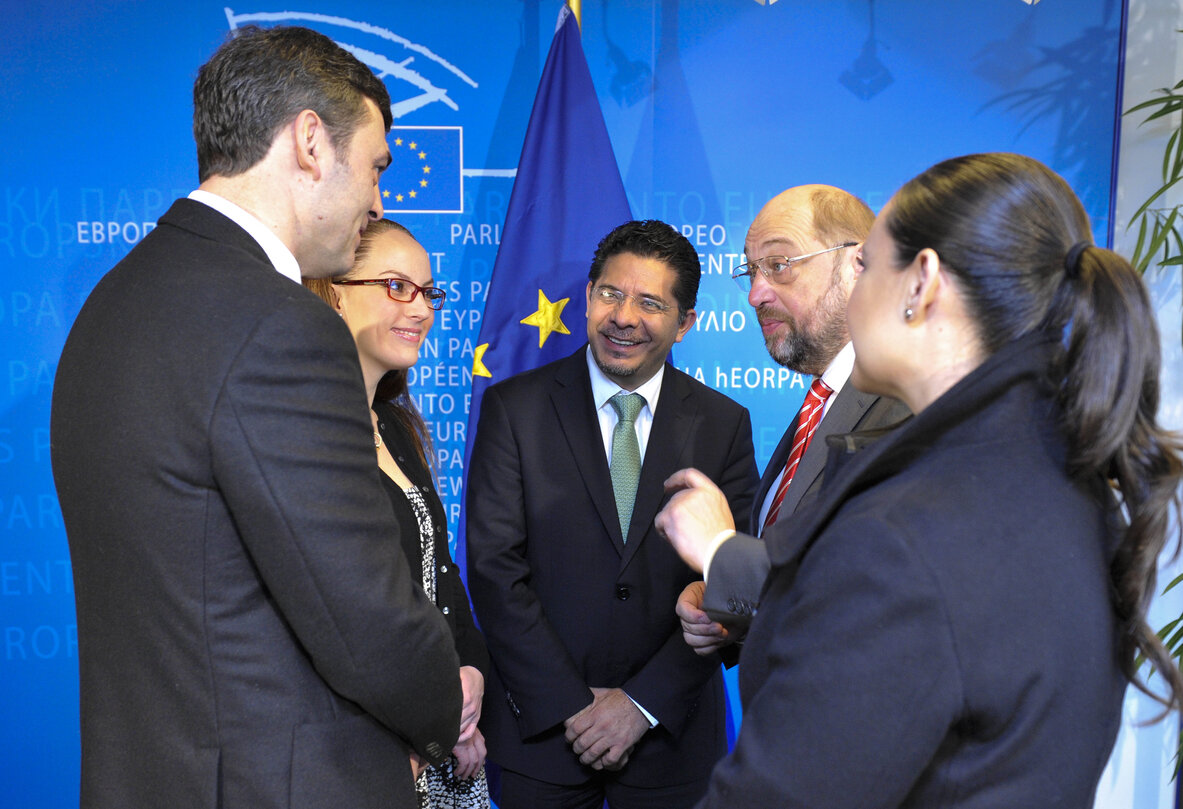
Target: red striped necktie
(808,418)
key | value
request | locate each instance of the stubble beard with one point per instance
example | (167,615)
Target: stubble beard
(609,367)
(810,350)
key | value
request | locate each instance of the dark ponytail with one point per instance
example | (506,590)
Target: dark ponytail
(1016,239)
(1110,397)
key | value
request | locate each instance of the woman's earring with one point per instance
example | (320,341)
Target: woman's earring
(909,314)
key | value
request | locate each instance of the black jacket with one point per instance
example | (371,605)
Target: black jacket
(248,634)
(937,629)
(450,595)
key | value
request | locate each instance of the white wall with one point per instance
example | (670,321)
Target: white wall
(1139,773)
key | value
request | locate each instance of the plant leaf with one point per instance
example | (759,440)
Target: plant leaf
(1172,585)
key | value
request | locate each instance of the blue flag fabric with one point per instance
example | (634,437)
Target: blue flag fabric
(567,196)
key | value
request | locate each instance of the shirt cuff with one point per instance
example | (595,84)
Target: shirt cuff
(719,539)
(650,717)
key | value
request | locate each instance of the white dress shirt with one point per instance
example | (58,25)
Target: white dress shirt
(604,389)
(277,252)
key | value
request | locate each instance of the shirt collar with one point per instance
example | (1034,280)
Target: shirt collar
(277,252)
(604,388)
(839,368)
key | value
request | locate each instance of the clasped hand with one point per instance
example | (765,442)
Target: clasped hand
(604,733)
(470,747)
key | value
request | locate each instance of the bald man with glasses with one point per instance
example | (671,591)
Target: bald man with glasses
(802,250)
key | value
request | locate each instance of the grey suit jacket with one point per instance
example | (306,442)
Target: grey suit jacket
(741,565)
(249,632)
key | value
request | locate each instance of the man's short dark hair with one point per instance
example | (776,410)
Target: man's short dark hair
(652,238)
(260,79)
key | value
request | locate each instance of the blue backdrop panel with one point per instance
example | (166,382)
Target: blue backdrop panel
(713,106)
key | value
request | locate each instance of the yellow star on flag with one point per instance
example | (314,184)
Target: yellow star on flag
(547,317)
(478,361)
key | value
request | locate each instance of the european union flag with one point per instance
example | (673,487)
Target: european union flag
(567,196)
(424,174)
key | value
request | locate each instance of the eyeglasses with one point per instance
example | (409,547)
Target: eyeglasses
(777,269)
(401,290)
(615,299)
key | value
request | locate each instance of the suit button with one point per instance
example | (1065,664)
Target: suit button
(622,593)
(732,606)
(443,568)
(445,610)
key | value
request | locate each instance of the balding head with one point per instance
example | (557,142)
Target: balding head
(823,213)
(804,319)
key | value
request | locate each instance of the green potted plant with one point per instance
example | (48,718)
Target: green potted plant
(1160,244)
(1158,226)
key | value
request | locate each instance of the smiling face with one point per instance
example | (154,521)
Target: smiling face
(804,321)
(388,333)
(628,345)
(347,199)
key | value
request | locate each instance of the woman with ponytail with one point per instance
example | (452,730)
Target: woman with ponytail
(954,623)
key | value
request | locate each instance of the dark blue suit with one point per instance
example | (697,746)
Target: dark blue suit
(249,632)
(564,602)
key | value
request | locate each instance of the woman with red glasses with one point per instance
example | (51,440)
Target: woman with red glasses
(388,301)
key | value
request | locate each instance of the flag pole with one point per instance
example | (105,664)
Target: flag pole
(576,9)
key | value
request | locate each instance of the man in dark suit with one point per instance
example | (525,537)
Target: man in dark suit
(801,270)
(249,631)
(593,694)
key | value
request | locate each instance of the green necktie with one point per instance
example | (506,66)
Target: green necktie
(626,456)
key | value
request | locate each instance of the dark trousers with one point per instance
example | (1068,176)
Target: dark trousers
(522,792)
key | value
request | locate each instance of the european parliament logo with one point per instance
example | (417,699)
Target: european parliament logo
(425,170)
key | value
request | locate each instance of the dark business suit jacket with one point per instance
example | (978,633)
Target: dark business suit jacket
(564,602)
(937,630)
(249,635)
(740,565)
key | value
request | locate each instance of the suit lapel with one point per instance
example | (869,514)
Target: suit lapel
(842,417)
(572,400)
(672,427)
(776,465)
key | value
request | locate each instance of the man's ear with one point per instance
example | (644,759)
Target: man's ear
(856,260)
(311,143)
(684,326)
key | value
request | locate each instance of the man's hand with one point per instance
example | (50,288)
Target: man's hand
(701,634)
(472,687)
(694,517)
(603,734)
(470,756)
